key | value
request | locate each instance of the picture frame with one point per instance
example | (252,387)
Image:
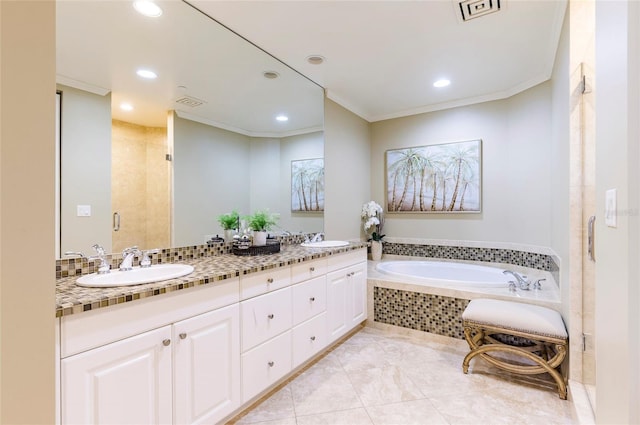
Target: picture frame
(437,178)
(307,185)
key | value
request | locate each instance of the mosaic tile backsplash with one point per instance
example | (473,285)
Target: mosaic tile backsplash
(78,266)
(424,312)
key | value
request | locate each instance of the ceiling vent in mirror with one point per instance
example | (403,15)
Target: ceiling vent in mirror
(470,9)
(190,101)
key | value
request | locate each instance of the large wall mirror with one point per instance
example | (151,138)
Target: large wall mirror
(154,162)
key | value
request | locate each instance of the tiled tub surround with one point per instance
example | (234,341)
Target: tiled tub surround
(436,307)
(211,265)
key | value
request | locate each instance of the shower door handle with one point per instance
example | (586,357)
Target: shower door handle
(116,221)
(590,238)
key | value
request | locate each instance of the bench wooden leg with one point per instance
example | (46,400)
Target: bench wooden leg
(543,364)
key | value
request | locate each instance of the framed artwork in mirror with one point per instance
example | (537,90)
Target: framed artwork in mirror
(307,185)
(439,178)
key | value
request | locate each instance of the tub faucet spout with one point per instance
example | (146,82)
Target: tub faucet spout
(523,283)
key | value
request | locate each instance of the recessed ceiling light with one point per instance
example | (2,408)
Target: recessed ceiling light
(126,107)
(442,83)
(315,59)
(145,73)
(282,118)
(270,75)
(147,8)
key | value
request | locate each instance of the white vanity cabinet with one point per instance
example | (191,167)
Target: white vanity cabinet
(346,293)
(200,355)
(171,360)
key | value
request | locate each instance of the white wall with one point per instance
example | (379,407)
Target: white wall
(86,170)
(347,171)
(211,170)
(516,148)
(304,146)
(27,159)
(617,275)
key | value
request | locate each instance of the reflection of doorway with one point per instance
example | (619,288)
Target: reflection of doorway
(140,186)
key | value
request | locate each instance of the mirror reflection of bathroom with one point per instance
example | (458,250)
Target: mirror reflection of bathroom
(153,162)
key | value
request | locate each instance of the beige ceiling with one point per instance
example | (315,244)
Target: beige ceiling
(383,56)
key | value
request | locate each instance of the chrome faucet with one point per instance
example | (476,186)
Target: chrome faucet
(146,259)
(523,283)
(103,267)
(127,258)
(318,237)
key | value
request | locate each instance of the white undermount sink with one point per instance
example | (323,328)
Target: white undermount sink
(136,276)
(324,244)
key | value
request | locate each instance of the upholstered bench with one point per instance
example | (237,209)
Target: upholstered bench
(541,330)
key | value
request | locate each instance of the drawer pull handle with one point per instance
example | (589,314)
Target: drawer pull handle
(182,335)
(271,316)
(312,299)
(271,364)
(313,269)
(270,280)
(313,338)
(166,342)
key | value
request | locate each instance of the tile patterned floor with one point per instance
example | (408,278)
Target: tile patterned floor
(380,378)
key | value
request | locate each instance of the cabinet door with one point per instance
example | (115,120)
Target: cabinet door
(337,305)
(126,382)
(358,294)
(309,338)
(207,366)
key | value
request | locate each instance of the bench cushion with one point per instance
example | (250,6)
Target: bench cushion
(516,316)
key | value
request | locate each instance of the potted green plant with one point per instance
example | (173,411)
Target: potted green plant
(229,222)
(260,222)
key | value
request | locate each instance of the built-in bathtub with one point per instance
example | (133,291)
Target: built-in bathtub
(456,274)
(430,295)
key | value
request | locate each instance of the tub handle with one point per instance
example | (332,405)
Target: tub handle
(590,238)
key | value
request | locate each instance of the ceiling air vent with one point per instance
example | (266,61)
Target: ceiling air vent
(470,9)
(190,101)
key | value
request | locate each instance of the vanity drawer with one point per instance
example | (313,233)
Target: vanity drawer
(308,270)
(265,316)
(347,259)
(265,365)
(309,299)
(309,338)
(255,284)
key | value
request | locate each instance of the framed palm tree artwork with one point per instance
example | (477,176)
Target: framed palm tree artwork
(442,178)
(307,185)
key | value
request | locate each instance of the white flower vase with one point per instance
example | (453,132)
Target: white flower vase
(228,235)
(259,238)
(376,250)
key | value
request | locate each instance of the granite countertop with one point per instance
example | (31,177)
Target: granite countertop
(74,299)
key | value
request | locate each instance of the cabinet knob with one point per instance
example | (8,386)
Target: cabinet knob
(270,280)
(313,338)
(271,364)
(271,316)
(312,299)
(166,342)
(182,335)
(313,269)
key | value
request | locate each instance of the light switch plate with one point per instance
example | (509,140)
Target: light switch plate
(611,208)
(84,210)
